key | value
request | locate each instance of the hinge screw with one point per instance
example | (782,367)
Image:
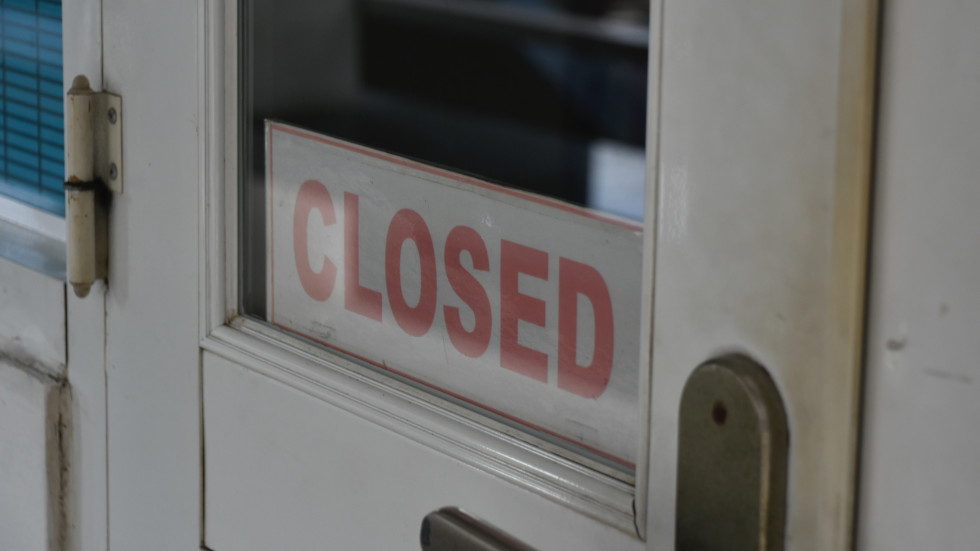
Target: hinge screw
(113,171)
(112,116)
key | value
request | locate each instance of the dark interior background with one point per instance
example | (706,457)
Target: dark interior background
(517,92)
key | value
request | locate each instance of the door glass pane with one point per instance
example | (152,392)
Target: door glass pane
(543,96)
(31,104)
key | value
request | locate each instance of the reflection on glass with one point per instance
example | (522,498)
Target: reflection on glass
(547,96)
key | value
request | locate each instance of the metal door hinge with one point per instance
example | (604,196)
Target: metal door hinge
(94,171)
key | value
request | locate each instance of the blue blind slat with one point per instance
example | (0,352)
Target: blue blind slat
(51,72)
(50,120)
(18,171)
(22,135)
(22,81)
(50,10)
(51,56)
(31,102)
(50,89)
(24,157)
(22,97)
(19,34)
(51,25)
(14,62)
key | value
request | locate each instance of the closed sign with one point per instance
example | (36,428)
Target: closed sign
(521,305)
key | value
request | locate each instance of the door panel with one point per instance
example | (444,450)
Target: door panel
(285,466)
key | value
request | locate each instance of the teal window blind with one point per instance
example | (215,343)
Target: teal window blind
(31,106)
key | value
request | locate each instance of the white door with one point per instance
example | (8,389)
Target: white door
(225,431)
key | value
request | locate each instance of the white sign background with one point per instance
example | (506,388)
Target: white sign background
(384,185)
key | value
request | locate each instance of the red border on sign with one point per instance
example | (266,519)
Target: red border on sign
(558,205)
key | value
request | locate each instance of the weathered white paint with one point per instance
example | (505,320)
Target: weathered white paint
(32,318)
(756,216)
(920,471)
(30,460)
